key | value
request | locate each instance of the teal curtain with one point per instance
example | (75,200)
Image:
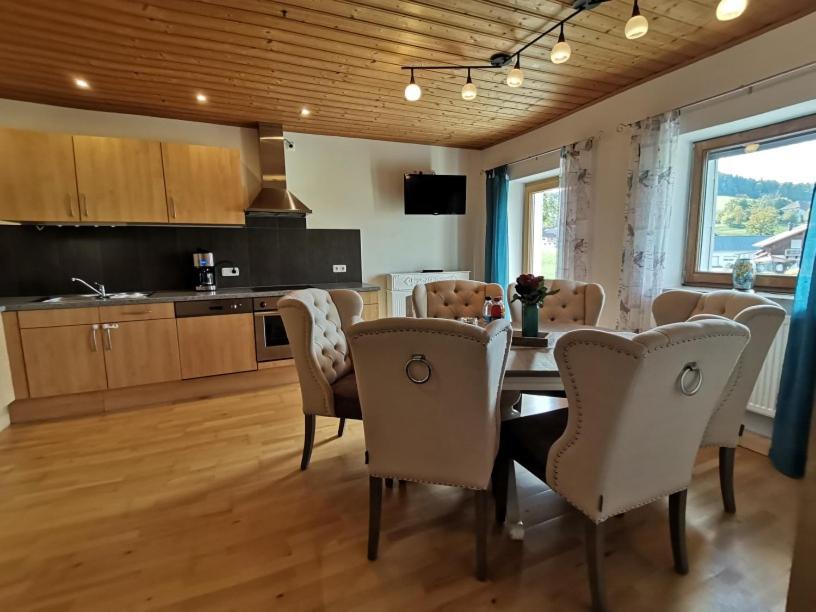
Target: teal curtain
(496,232)
(794,405)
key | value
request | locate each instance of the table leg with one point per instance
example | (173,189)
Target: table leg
(515,527)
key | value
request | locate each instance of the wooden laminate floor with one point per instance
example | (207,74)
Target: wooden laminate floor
(201,506)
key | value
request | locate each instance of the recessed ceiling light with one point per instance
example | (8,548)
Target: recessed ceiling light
(752,147)
(82,83)
(201,97)
(305,112)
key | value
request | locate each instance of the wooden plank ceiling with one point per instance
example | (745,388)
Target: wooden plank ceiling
(260,60)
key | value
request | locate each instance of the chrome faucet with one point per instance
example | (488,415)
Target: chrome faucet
(97,288)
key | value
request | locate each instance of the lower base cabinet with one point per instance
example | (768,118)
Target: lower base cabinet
(141,352)
(219,344)
(63,360)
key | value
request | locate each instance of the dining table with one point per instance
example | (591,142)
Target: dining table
(533,370)
(529,369)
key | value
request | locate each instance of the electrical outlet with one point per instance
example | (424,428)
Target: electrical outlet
(339,268)
(230,271)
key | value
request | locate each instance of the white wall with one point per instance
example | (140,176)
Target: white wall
(781,49)
(356,183)
(349,183)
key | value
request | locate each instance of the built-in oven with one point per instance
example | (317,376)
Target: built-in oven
(271,342)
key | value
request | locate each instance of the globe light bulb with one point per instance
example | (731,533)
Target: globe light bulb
(413,92)
(561,51)
(731,9)
(636,27)
(469,89)
(515,77)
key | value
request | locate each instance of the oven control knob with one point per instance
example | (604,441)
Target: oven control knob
(263,304)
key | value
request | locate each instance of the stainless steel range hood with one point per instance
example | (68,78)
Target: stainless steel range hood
(274,198)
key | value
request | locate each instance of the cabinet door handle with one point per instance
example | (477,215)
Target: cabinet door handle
(108,340)
(84,202)
(94,345)
(172,207)
(69,205)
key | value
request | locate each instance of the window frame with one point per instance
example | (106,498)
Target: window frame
(693,276)
(552,182)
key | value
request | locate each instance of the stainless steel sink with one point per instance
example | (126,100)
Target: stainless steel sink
(125,295)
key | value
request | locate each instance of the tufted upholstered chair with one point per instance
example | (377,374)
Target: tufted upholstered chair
(764,318)
(576,303)
(443,430)
(316,322)
(638,407)
(452,299)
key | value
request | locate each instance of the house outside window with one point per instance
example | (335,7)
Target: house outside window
(750,198)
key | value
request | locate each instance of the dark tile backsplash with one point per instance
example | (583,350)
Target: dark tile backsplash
(141,258)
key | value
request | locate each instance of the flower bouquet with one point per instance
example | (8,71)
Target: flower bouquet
(531,291)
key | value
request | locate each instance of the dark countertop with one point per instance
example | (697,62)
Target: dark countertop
(33,303)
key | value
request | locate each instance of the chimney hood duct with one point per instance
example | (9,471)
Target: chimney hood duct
(274,198)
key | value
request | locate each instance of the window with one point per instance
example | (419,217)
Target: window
(542,211)
(751,198)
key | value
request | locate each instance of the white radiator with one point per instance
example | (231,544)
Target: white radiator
(763,399)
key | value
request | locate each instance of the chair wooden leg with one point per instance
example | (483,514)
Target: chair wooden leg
(481,535)
(374,513)
(499,480)
(595,557)
(341,427)
(677,524)
(727,478)
(308,441)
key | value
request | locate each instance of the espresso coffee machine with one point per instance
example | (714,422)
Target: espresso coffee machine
(204,268)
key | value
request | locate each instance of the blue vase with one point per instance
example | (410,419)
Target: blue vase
(744,274)
(529,321)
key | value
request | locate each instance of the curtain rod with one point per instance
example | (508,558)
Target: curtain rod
(731,92)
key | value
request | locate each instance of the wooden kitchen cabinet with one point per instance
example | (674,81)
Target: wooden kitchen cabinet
(141,352)
(63,360)
(219,344)
(37,179)
(371,305)
(120,180)
(204,184)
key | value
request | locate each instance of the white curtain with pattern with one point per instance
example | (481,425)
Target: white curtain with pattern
(575,240)
(651,177)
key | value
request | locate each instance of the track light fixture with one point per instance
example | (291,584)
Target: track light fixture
(561,52)
(468,89)
(637,25)
(413,92)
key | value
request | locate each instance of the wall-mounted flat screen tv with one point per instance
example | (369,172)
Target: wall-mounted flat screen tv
(435,194)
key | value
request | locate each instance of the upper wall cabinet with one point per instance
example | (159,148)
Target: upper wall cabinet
(59,178)
(203,184)
(120,180)
(37,179)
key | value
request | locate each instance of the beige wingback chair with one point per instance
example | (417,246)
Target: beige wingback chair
(638,408)
(452,299)
(316,322)
(764,318)
(576,303)
(429,391)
